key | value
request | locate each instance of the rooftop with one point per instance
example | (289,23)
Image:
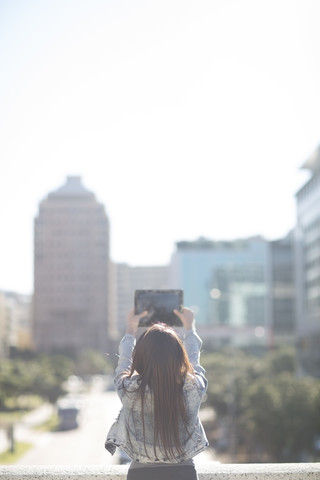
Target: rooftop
(203,243)
(313,161)
(72,188)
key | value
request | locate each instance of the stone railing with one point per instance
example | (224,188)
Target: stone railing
(213,471)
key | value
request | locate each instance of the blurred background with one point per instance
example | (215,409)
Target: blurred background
(159,145)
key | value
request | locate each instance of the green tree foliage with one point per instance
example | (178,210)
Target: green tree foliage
(265,405)
(283,415)
(91,362)
(13,380)
(281,360)
(42,376)
(229,375)
(47,375)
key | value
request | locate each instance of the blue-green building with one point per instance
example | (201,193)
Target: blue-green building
(229,285)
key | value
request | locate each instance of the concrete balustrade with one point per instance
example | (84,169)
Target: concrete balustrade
(214,471)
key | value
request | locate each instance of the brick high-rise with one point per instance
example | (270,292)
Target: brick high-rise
(71,271)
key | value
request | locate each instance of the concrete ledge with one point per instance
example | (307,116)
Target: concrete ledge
(214,471)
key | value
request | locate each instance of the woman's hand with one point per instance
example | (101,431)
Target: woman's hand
(186,317)
(133,321)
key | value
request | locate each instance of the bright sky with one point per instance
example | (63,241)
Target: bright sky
(187,118)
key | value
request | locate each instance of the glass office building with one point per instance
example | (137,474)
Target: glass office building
(308,268)
(282,289)
(225,282)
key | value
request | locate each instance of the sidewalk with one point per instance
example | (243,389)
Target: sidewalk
(4,441)
(37,417)
(23,427)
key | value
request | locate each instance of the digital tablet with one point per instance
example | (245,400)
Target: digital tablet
(160,305)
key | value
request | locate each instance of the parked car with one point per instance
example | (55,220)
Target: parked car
(69,412)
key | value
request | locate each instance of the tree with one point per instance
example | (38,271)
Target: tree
(265,407)
(91,362)
(282,415)
(42,375)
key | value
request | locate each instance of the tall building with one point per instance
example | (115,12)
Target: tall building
(71,271)
(128,279)
(308,268)
(282,289)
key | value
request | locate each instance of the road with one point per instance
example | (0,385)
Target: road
(84,445)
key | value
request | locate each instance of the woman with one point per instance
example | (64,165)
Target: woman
(161,385)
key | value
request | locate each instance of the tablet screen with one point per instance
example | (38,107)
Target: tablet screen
(160,305)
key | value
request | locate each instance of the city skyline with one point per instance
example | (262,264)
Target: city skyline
(185,119)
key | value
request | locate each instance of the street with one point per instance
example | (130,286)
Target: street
(84,445)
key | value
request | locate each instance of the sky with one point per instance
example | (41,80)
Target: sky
(186,118)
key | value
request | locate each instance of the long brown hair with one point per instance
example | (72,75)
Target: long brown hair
(162,362)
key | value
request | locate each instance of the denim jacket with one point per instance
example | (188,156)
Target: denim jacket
(127,430)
